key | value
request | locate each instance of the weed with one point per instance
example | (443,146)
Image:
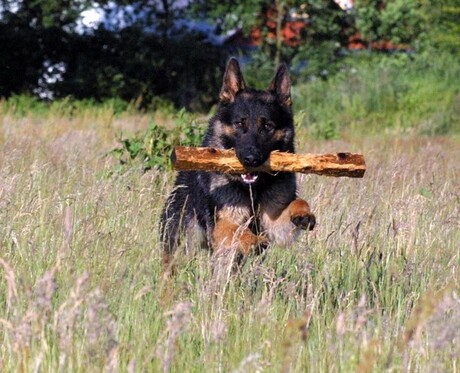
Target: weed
(152,149)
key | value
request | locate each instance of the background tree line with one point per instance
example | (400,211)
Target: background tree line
(174,50)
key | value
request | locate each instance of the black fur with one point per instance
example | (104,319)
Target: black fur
(254,123)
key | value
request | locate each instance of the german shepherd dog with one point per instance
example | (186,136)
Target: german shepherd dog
(241,212)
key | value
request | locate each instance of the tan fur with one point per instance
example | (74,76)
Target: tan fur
(277,221)
(219,130)
(279,134)
(231,231)
(227,130)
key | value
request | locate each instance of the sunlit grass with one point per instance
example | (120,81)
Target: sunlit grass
(396,95)
(373,288)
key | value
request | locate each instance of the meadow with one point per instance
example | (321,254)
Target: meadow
(375,287)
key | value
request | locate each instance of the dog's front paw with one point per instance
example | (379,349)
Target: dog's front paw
(301,216)
(304,222)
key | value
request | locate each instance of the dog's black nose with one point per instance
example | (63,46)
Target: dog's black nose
(251,160)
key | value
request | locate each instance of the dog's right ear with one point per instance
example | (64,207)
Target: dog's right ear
(233,82)
(281,85)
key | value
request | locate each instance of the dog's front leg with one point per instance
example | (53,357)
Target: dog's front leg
(232,231)
(283,224)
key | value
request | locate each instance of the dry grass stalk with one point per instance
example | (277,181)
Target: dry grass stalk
(250,363)
(368,357)
(67,317)
(68,225)
(44,292)
(423,310)
(112,363)
(178,321)
(24,328)
(296,331)
(12,291)
(443,328)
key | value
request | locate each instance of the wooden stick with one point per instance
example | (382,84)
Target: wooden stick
(220,160)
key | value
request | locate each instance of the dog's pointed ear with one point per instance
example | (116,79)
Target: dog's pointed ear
(281,85)
(233,82)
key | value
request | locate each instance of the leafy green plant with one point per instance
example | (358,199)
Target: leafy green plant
(21,105)
(153,148)
(328,130)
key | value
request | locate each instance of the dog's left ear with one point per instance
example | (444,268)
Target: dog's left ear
(281,85)
(233,82)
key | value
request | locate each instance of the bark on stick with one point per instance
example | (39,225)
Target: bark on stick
(220,160)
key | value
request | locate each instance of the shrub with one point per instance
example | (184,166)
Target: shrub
(153,148)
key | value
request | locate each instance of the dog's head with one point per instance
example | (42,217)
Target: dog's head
(253,122)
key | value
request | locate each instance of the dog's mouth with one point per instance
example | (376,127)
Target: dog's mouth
(250,177)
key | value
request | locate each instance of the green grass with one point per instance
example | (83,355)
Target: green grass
(373,288)
(404,95)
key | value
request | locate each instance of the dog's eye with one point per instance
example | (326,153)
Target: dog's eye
(268,125)
(265,124)
(240,124)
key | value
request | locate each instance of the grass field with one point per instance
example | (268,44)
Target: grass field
(375,287)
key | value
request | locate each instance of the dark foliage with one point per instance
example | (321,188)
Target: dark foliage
(153,60)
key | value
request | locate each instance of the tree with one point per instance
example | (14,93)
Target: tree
(326,27)
(33,33)
(140,56)
(324,40)
(443,24)
(398,21)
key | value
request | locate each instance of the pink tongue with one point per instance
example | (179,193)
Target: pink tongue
(249,177)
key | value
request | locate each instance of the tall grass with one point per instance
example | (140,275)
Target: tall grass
(405,95)
(373,288)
